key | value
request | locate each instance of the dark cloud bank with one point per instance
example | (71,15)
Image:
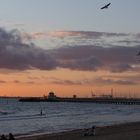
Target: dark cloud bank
(16,54)
(114,59)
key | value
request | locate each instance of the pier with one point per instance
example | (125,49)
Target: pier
(101,100)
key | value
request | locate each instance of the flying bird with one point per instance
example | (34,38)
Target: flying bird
(106,6)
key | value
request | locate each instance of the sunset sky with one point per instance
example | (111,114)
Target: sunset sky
(69,47)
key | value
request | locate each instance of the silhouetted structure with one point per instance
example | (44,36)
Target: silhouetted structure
(52,95)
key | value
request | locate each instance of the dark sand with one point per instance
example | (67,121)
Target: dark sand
(129,131)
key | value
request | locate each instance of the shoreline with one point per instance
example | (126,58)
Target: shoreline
(123,131)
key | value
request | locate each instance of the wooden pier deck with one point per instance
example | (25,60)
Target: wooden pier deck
(124,101)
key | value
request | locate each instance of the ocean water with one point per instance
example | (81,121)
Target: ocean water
(23,118)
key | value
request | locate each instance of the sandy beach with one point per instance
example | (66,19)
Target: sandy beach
(128,131)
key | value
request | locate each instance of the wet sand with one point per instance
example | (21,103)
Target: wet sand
(128,131)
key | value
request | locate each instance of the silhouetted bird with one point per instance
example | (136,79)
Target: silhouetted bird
(106,6)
